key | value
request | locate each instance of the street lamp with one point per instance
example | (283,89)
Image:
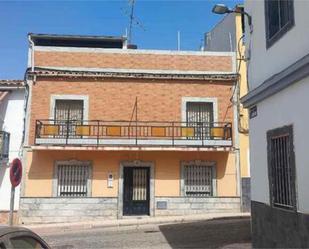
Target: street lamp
(223,9)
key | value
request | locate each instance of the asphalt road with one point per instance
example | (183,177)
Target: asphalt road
(223,233)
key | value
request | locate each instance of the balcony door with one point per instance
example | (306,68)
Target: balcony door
(200,115)
(68,114)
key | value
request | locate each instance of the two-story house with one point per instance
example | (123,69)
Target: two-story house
(228,35)
(114,132)
(278,75)
(12,96)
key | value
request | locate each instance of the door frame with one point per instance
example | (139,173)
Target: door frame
(136,163)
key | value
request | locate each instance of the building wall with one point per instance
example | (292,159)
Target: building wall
(277,110)
(290,48)
(12,113)
(273,227)
(113,99)
(226,36)
(40,170)
(285,114)
(56,210)
(133,59)
(243,90)
(223,35)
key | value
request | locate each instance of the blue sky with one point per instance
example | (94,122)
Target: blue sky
(160,21)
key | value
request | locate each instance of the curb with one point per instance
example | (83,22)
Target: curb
(68,227)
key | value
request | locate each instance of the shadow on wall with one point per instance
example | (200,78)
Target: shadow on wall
(222,160)
(208,234)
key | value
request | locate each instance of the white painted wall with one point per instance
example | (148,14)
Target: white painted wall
(290,106)
(12,113)
(291,47)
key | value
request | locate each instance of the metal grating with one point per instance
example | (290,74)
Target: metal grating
(140,184)
(4,145)
(199,113)
(70,111)
(198,180)
(72,180)
(281,175)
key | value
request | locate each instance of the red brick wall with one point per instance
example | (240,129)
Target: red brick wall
(113,99)
(134,61)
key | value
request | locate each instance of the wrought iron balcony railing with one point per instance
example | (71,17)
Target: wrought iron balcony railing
(4,145)
(97,133)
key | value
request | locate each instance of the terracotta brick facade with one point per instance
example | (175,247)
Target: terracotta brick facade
(113,99)
(130,60)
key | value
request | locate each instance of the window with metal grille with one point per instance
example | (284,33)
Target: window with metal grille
(198,180)
(73,179)
(281,167)
(200,116)
(4,145)
(279,17)
(68,114)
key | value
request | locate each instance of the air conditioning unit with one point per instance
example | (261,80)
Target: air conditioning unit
(4,146)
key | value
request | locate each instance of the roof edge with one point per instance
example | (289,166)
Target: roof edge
(276,83)
(12,84)
(47,72)
(69,36)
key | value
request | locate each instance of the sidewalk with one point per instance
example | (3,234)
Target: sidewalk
(129,221)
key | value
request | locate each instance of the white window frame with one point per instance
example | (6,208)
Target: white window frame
(213,101)
(73,163)
(84,98)
(212,164)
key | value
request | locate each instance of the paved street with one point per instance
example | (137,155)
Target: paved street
(226,233)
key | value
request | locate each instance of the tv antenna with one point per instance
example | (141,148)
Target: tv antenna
(132,21)
(132,3)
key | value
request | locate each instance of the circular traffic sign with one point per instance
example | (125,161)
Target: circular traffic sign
(16,172)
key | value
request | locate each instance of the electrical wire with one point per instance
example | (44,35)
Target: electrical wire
(241,129)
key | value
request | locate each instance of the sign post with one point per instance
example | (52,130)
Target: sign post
(15,178)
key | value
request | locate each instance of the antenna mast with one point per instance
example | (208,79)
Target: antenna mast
(131,21)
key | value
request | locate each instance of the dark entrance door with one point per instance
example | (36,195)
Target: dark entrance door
(136,191)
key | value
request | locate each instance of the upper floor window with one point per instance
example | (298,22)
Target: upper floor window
(68,114)
(200,116)
(279,17)
(69,109)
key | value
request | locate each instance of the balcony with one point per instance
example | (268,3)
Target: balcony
(4,145)
(132,133)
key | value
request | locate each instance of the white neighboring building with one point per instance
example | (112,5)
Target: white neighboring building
(278,100)
(12,95)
